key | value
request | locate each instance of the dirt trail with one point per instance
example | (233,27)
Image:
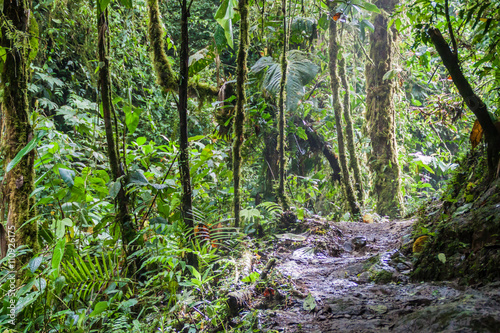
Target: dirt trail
(340,277)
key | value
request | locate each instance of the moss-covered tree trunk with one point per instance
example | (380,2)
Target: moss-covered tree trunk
(380,115)
(349,132)
(187,201)
(18,183)
(338,110)
(270,162)
(282,198)
(168,81)
(123,217)
(239,117)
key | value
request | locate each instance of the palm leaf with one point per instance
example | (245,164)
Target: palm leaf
(300,72)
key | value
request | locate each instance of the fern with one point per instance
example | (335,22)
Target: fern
(87,276)
(272,208)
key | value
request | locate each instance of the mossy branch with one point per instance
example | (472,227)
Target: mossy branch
(166,78)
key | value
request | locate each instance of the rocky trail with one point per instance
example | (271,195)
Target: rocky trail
(354,277)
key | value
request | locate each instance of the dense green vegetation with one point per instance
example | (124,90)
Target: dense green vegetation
(132,131)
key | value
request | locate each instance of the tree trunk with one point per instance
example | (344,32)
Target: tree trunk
(187,203)
(334,79)
(474,102)
(318,144)
(169,81)
(353,160)
(282,198)
(270,162)
(18,183)
(239,118)
(123,218)
(380,115)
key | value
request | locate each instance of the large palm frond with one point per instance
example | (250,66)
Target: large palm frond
(301,71)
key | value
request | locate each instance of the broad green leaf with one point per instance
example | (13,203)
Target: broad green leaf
(114,189)
(224,16)
(368,24)
(59,283)
(68,176)
(35,263)
(25,301)
(196,138)
(128,303)
(137,177)
(103,4)
(251,278)
(309,303)
(160,186)
(60,226)
(442,258)
(141,140)
(220,38)
(126,3)
(57,257)
(370,7)
(29,147)
(200,60)
(132,117)
(391,74)
(99,308)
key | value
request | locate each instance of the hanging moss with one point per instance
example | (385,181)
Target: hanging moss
(166,78)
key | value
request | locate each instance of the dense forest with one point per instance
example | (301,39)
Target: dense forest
(250,166)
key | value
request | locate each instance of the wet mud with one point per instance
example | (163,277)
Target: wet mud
(352,277)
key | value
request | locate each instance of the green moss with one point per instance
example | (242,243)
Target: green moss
(381,276)
(239,117)
(166,77)
(338,110)
(380,122)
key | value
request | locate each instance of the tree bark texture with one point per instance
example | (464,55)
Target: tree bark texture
(338,110)
(474,102)
(239,118)
(349,131)
(282,198)
(123,217)
(18,183)
(170,81)
(318,144)
(187,201)
(380,115)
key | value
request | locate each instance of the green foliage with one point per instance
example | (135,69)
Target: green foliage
(80,281)
(300,72)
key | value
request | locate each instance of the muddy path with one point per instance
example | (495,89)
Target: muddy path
(352,277)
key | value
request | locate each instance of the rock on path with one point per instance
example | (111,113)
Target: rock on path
(348,300)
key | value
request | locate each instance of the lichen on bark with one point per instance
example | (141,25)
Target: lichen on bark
(380,115)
